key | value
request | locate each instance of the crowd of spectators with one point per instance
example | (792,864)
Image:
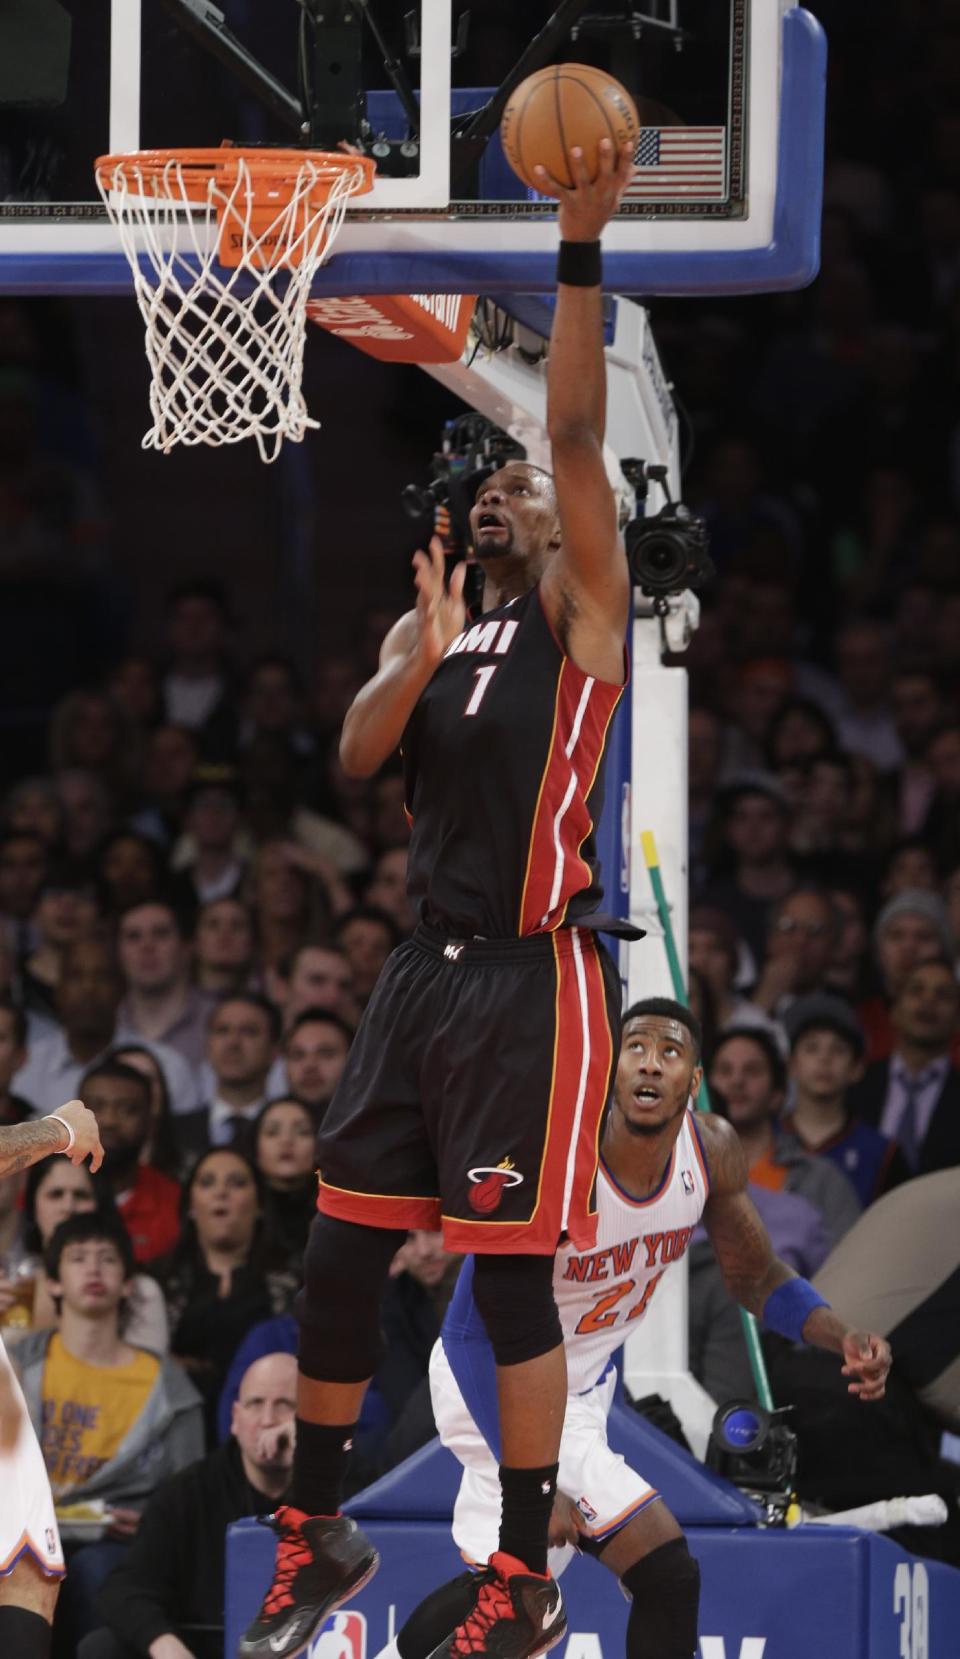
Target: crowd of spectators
(195,904)
(195,901)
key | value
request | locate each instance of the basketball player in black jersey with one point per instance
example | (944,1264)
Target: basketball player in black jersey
(473,1093)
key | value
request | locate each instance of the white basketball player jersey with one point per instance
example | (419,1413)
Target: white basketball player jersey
(602,1293)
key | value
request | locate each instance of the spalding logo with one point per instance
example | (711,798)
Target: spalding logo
(489,1184)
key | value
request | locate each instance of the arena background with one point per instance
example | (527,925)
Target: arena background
(820,439)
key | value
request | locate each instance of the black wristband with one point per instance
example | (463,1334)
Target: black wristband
(580,265)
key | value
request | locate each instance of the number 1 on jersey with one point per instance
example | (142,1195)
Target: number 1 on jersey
(483,676)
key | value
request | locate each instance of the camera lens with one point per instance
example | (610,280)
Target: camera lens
(661,558)
(660,561)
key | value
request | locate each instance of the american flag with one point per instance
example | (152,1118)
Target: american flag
(679,163)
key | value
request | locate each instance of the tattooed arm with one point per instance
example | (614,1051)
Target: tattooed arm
(22,1144)
(752,1272)
(741,1243)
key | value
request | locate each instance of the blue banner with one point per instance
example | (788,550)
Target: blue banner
(613,831)
(813,1593)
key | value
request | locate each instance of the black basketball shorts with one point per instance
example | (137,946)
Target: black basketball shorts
(473,1093)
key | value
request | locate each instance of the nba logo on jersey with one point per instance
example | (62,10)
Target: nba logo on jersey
(344,1636)
(49,1538)
(687,1180)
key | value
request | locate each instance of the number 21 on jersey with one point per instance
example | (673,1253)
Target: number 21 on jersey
(606,1309)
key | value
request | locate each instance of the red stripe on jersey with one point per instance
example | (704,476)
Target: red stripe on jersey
(537,850)
(555,871)
(602,1061)
(602,694)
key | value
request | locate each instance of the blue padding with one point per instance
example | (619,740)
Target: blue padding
(613,830)
(425,1485)
(814,1593)
(536,311)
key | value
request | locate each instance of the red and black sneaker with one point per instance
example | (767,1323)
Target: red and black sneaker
(517,1615)
(321,1561)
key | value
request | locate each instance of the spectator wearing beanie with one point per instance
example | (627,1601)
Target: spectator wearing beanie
(826,1060)
(913,927)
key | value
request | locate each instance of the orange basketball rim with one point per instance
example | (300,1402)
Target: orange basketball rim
(223,247)
(265,200)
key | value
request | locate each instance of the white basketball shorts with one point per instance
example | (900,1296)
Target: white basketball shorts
(28,1525)
(603,1486)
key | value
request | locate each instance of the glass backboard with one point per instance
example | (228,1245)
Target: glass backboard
(725,197)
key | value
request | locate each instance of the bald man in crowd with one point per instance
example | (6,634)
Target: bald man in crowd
(166,1600)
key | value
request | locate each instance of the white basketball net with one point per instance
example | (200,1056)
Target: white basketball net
(224,345)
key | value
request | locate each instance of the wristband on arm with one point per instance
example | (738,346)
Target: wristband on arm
(788,1308)
(71,1133)
(580,265)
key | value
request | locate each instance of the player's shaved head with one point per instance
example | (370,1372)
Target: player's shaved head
(515,514)
(540,474)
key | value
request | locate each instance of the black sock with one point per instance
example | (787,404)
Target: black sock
(320,1462)
(528,1496)
(23,1633)
(437,1615)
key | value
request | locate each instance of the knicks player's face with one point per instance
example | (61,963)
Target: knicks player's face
(515,516)
(657,1073)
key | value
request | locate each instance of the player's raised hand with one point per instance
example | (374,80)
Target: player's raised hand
(441,612)
(587,205)
(867,1360)
(86,1134)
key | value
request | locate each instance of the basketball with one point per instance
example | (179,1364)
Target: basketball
(565,106)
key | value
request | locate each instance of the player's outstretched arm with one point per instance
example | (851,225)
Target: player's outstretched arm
(412,650)
(591,560)
(765,1285)
(72,1130)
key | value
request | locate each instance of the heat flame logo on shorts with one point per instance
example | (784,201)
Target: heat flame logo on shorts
(489,1185)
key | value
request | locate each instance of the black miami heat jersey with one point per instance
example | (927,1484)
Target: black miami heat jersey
(503,762)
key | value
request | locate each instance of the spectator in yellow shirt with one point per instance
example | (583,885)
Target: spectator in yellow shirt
(113,1420)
